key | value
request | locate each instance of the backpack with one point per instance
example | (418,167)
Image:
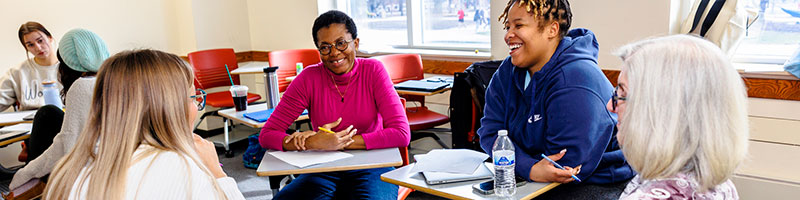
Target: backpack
(251,157)
(725,22)
(467,98)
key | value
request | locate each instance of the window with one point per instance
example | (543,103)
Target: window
(461,25)
(774,36)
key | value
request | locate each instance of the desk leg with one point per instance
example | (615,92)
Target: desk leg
(275,184)
(228,151)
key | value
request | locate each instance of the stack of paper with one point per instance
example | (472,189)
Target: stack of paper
(443,160)
(303,159)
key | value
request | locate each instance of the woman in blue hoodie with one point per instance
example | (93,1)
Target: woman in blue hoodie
(550,95)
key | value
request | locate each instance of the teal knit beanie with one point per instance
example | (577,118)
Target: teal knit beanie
(82,50)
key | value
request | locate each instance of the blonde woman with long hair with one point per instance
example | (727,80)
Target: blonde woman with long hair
(138,143)
(682,117)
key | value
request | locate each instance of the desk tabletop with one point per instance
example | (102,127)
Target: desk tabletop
(231,113)
(458,190)
(15,139)
(362,159)
(256,67)
(444,79)
(11,118)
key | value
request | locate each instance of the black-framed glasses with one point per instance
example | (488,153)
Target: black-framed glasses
(340,45)
(200,99)
(616,98)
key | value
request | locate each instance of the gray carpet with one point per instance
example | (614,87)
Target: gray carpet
(255,187)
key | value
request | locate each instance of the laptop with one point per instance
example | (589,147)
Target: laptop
(419,85)
(435,178)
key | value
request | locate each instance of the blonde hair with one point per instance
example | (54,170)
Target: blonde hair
(141,97)
(686,110)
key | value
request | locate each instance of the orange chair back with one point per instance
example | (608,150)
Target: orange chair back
(209,67)
(402,67)
(286,60)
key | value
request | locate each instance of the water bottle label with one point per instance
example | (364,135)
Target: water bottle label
(503,161)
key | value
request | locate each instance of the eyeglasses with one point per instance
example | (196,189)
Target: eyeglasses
(616,98)
(340,45)
(200,99)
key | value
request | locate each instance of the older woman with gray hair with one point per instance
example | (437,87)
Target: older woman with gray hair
(682,119)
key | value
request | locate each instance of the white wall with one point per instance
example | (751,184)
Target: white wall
(222,24)
(278,24)
(122,24)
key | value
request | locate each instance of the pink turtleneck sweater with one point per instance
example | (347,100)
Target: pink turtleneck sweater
(370,104)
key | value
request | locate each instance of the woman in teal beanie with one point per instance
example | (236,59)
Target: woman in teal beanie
(80,53)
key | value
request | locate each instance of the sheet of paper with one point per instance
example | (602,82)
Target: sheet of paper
(459,161)
(17,127)
(303,159)
(8,117)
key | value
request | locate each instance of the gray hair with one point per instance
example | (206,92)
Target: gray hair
(686,110)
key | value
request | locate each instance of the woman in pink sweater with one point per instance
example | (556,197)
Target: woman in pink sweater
(352,97)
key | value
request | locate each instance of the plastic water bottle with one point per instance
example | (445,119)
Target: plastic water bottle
(51,96)
(504,161)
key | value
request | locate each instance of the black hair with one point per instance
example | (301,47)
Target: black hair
(548,10)
(67,76)
(333,17)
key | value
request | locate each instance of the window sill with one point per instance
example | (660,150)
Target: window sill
(430,54)
(763,71)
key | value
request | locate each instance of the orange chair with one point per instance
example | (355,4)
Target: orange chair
(209,72)
(403,67)
(286,60)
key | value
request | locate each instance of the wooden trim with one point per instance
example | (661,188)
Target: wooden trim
(443,67)
(757,86)
(773,88)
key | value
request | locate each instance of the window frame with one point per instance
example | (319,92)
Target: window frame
(415,34)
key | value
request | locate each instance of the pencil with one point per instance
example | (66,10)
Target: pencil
(325,129)
(560,167)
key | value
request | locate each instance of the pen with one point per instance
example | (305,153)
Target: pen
(560,167)
(325,130)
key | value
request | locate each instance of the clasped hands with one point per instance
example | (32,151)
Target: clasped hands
(321,140)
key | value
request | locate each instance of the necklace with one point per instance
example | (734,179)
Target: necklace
(337,87)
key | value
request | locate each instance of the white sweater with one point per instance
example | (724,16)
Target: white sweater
(23,84)
(167,175)
(79,99)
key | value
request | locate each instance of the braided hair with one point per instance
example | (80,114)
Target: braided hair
(548,10)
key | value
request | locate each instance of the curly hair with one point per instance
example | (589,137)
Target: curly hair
(548,10)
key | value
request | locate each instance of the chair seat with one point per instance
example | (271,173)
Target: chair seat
(420,118)
(224,99)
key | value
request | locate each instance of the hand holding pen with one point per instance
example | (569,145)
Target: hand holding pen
(546,170)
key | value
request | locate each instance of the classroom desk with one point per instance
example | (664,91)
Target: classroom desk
(362,159)
(448,79)
(458,190)
(230,114)
(11,118)
(251,68)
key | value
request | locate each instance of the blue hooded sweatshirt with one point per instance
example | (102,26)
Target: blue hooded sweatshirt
(563,107)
